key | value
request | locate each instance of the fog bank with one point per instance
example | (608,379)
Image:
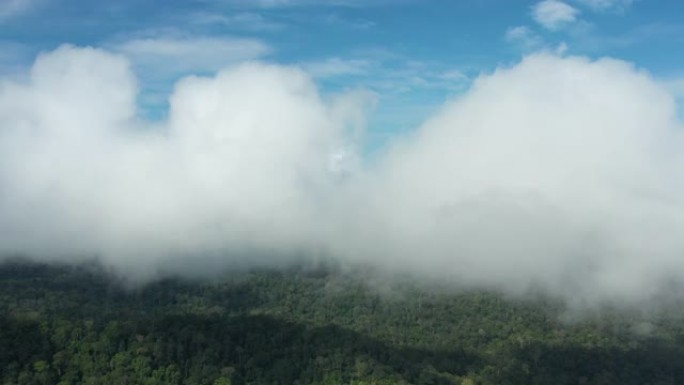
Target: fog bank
(559,174)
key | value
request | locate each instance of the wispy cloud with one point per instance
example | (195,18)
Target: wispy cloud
(419,78)
(299,3)
(607,5)
(453,75)
(335,66)
(12,8)
(524,36)
(247,21)
(389,73)
(355,24)
(589,39)
(191,54)
(554,14)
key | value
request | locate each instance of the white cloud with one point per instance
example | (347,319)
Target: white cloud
(554,14)
(524,36)
(522,181)
(241,164)
(558,173)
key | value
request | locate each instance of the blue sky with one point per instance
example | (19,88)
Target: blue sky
(413,55)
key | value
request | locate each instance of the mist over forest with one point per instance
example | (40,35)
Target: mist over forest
(71,324)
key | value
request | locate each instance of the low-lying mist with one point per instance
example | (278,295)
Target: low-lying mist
(558,174)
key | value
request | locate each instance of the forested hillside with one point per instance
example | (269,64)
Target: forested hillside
(66,325)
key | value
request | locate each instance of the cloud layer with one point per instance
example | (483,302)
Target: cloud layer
(559,174)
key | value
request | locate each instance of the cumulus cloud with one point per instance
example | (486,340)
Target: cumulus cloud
(554,14)
(238,163)
(559,174)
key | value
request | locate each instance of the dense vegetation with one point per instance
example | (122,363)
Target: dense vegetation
(65,325)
